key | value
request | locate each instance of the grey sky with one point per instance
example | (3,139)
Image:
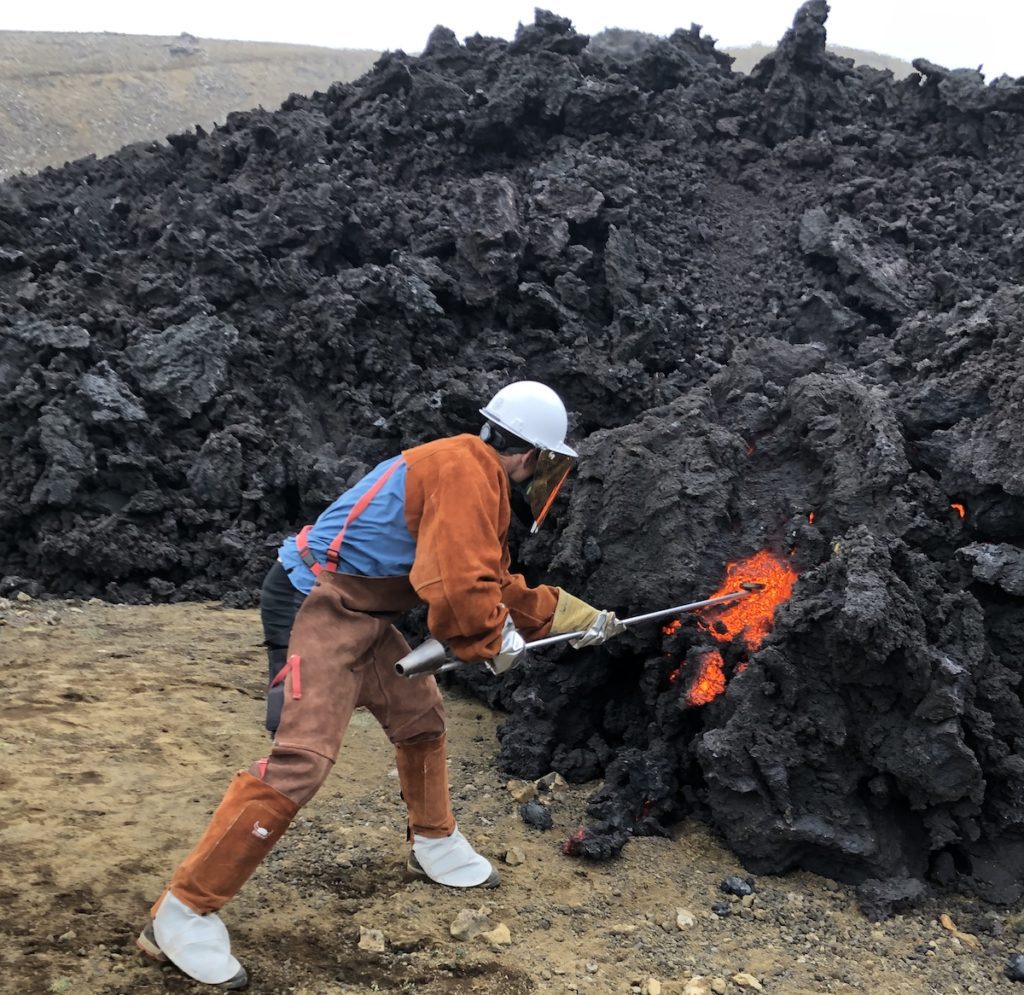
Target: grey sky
(949,32)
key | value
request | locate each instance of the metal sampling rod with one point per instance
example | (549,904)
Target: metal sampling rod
(430,657)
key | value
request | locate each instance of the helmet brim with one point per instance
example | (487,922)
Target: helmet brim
(555,447)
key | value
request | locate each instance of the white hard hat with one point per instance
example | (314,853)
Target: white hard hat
(533,412)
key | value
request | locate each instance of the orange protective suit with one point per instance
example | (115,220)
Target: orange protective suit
(341,656)
(458,508)
(342,653)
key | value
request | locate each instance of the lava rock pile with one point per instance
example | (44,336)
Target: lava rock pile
(784,308)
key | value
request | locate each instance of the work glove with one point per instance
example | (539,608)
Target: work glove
(512,652)
(574,615)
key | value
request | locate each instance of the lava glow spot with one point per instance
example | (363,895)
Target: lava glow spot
(810,518)
(751,617)
(674,676)
(672,628)
(571,845)
(710,682)
(959,509)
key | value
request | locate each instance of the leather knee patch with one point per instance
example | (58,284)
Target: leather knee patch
(296,773)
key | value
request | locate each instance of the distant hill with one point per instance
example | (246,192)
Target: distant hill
(749,56)
(66,95)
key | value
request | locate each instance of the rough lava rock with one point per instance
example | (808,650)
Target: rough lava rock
(785,310)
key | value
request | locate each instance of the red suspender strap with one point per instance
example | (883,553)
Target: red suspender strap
(333,551)
(302,544)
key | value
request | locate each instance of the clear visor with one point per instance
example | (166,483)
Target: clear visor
(547,480)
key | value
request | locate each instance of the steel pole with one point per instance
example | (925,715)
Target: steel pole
(429,657)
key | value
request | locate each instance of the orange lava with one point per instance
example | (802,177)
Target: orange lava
(810,518)
(570,846)
(959,509)
(751,617)
(672,628)
(710,682)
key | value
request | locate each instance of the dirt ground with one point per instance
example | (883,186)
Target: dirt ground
(121,726)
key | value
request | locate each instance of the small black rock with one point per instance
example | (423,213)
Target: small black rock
(536,815)
(721,909)
(737,886)
(1014,969)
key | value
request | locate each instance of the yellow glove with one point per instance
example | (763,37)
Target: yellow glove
(574,615)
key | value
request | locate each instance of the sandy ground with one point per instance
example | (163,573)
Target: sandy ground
(121,726)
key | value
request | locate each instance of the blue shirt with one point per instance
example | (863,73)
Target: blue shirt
(377,544)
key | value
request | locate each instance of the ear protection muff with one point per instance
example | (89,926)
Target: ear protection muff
(493,436)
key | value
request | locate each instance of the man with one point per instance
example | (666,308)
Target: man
(428,526)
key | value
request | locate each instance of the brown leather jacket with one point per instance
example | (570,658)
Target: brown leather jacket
(458,509)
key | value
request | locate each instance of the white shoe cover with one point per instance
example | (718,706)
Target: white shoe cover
(198,945)
(452,861)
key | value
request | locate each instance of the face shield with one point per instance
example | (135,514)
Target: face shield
(547,480)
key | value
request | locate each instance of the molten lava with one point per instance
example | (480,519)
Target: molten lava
(710,680)
(959,509)
(751,617)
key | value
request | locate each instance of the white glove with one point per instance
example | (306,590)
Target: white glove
(604,626)
(513,649)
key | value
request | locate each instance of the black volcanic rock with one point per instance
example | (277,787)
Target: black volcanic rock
(1014,968)
(785,310)
(737,886)
(536,815)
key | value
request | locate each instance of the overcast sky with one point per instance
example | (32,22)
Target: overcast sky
(950,32)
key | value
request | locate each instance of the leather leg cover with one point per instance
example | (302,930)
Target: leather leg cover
(250,819)
(423,774)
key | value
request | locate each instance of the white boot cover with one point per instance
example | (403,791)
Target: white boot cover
(198,945)
(451,861)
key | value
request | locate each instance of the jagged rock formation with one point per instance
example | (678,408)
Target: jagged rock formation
(762,296)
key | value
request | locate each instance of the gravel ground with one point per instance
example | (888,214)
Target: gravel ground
(122,724)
